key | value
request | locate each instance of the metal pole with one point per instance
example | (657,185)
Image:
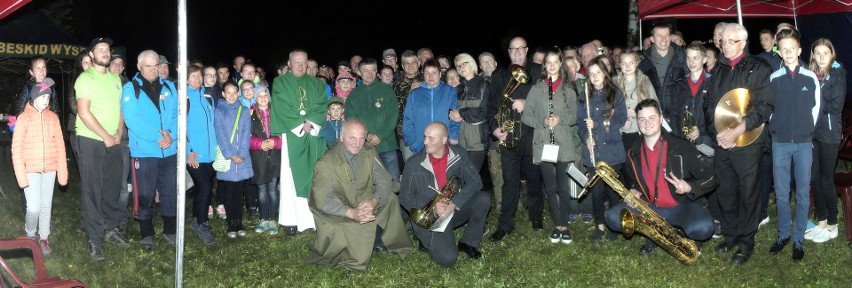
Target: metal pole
(795,17)
(739,12)
(640,36)
(181,148)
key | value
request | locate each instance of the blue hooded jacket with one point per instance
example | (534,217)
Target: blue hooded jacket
(424,106)
(145,121)
(201,131)
(225,117)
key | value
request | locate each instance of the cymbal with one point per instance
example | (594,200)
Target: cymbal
(729,113)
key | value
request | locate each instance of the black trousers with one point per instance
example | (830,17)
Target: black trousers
(739,198)
(100,183)
(203,177)
(517,164)
(603,194)
(234,192)
(442,245)
(822,181)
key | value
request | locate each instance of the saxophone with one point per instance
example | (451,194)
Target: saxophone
(648,222)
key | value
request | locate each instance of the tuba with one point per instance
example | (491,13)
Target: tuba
(507,119)
(423,217)
(686,123)
(647,222)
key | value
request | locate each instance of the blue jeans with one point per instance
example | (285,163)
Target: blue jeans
(267,197)
(391,163)
(801,155)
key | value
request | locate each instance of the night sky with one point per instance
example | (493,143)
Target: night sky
(265,31)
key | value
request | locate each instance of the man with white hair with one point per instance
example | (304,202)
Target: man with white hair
(737,167)
(149,104)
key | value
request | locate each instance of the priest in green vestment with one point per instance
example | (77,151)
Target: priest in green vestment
(354,205)
(300,104)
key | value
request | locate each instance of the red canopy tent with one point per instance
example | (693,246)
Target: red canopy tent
(9,6)
(653,9)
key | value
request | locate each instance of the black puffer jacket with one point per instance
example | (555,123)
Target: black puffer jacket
(751,73)
(829,127)
(676,71)
(24,96)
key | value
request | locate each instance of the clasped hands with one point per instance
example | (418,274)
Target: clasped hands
(727,139)
(364,212)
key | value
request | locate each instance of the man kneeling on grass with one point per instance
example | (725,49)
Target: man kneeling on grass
(354,207)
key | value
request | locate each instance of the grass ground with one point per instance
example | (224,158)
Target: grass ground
(523,259)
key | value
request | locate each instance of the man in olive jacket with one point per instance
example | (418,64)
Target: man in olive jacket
(354,205)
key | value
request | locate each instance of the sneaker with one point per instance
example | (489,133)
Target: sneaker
(825,235)
(717,231)
(220,210)
(597,235)
(779,245)
(114,236)
(814,233)
(232,234)
(96,252)
(210,211)
(587,218)
(147,243)
(170,238)
(242,233)
(204,232)
(798,251)
(260,228)
(555,235)
(763,222)
(272,227)
(45,247)
(566,237)
(572,218)
(611,236)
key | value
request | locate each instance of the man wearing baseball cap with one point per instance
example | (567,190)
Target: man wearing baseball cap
(99,128)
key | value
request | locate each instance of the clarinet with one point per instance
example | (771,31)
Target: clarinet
(550,106)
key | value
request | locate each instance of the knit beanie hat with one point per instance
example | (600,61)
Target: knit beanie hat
(42,88)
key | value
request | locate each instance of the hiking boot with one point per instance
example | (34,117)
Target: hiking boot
(798,251)
(170,238)
(272,227)
(204,232)
(778,245)
(114,236)
(147,243)
(96,251)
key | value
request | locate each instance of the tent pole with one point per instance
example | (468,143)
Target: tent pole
(181,153)
(795,17)
(739,12)
(640,35)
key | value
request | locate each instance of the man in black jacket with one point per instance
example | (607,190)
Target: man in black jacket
(737,167)
(518,161)
(433,167)
(669,175)
(665,65)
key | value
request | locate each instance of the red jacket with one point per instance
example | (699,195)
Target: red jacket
(37,146)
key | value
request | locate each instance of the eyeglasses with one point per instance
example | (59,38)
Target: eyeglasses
(730,42)
(462,64)
(515,49)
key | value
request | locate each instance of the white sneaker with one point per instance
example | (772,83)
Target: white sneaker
(814,233)
(221,211)
(825,235)
(209,211)
(763,222)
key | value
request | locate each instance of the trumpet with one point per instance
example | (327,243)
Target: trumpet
(506,118)
(423,217)
(686,123)
(647,222)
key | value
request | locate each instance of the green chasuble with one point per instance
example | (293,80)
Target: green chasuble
(299,99)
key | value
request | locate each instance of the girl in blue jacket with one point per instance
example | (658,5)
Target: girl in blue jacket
(607,114)
(231,118)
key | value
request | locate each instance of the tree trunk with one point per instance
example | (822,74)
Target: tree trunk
(633,24)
